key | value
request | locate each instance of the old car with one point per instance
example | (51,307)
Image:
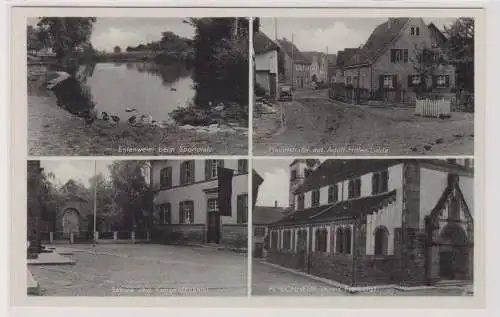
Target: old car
(286,92)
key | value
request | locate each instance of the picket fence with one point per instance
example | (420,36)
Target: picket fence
(433,108)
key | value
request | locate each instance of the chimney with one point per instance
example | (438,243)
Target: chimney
(275,204)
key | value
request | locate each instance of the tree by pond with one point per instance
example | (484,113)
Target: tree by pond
(117,49)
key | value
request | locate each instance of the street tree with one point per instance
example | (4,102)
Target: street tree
(460,50)
(117,49)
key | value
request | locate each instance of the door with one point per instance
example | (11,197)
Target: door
(213,230)
(70,222)
(259,250)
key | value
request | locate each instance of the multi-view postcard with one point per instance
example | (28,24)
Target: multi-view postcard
(250,156)
(364,86)
(137,86)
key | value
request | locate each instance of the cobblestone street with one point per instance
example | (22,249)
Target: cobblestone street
(146,270)
(317,125)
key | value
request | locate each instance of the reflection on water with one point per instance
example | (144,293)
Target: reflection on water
(152,89)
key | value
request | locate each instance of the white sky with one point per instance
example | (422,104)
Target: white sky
(316,34)
(79,170)
(110,32)
(275,186)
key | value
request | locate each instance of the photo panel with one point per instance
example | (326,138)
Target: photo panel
(364,85)
(364,227)
(157,228)
(137,85)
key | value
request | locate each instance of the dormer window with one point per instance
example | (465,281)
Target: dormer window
(315,198)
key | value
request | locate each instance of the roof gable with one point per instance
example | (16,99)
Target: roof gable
(380,38)
(262,43)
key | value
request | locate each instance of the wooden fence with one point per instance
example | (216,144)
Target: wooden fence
(433,108)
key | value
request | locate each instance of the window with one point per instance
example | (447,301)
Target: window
(213,205)
(166,177)
(164,214)
(315,198)
(212,168)
(339,238)
(415,31)
(380,182)
(381,240)
(388,81)
(354,188)
(287,240)
(414,80)
(399,56)
(347,241)
(412,31)
(320,240)
(300,201)
(187,172)
(333,193)
(294,175)
(242,209)
(186,212)
(260,231)
(242,166)
(442,81)
(348,80)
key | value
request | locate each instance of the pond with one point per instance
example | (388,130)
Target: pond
(150,88)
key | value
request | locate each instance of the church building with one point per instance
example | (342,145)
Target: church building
(365,222)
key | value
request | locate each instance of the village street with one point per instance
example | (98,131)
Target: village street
(145,270)
(314,124)
(268,280)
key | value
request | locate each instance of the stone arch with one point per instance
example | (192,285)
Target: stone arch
(381,240)
(454,253)
(71,221)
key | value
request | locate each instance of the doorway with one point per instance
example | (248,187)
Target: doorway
(213,230)
(453,253)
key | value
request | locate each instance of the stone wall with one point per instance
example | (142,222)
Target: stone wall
(179,234)
(375,270)
(335,267)
(234,235)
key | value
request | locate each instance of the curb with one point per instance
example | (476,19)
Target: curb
(357,289)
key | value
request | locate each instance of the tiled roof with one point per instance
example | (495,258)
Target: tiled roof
(340,210)
(262,215)
(344,56)
(262,43)
(292,50)
(333,171)
(382,36)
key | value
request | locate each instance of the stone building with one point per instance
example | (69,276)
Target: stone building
(266,64)
(187,201)
(381,221)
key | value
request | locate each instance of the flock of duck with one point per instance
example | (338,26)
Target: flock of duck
(133,120)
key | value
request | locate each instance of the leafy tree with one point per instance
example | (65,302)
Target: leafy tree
(33,39)
(66,36)
(220,60)
(117,49)
(460,50)
(132,194)
(425,64)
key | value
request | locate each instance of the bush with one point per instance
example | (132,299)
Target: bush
(259,90)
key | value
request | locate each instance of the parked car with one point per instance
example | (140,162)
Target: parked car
(286,92)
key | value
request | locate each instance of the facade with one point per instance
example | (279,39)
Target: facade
(377,222)
(385,67)
(266,64)
(319,66)
(187,205)
(297,68)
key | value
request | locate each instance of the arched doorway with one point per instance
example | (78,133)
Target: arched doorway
(453,253)
(70,221)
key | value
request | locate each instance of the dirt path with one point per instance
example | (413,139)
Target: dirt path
(316,125)
(52,131)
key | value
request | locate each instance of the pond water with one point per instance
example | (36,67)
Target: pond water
(150,88)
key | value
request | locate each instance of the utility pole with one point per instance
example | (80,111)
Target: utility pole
(293,64)
(276,29)
(327,67)
(95,202)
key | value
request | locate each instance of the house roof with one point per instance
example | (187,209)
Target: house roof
(436,33)
(333,171)
(339,210)
(382,36)
(263,215)
(262,43)
(344,56)
(292,50)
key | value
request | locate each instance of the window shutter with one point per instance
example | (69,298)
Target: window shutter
(374,183)
(405,56)
(239,208)
(381,82)
(181,212)
(434,81)
(447,80)
(169,176)
(207,169)
(385,181)
(393,53)
(160,210)
(192,171)
(182,172)
(169,213)
(394,81)
(410,80)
